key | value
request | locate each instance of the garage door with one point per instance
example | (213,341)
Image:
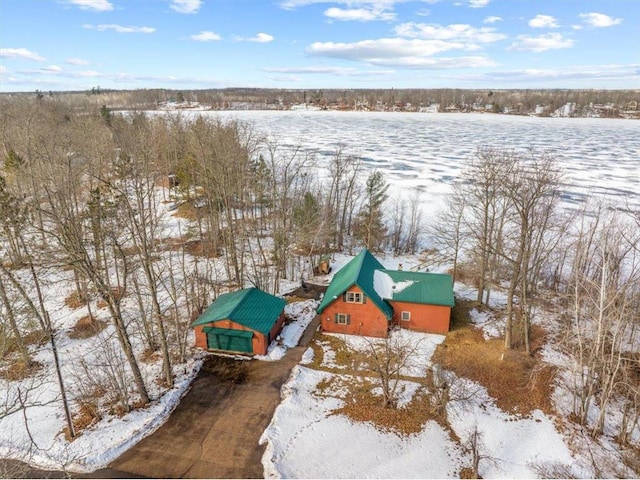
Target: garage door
(229,340)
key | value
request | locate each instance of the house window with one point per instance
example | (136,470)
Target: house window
(342,319)
(354,297)
(405,316)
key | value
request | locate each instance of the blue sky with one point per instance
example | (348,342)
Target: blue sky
(193,44)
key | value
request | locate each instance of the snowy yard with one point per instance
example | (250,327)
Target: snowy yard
(307,439)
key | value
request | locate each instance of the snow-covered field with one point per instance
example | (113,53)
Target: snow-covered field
(306,439)
(426,151)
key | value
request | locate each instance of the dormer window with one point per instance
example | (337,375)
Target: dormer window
(353,297)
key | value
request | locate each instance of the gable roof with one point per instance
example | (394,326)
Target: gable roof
(415,287)
(250,307)
(359,271)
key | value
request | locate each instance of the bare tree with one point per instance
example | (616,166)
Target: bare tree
(532,193)
(388,358)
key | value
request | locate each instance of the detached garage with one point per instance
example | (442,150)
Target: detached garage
(240,322)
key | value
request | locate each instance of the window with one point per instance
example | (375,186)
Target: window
(405,316)
(353,297)
(342,319)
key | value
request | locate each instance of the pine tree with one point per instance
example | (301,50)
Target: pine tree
(370,228)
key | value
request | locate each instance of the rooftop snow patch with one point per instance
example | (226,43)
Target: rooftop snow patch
(385,286)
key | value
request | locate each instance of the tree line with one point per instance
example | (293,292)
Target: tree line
(521,101)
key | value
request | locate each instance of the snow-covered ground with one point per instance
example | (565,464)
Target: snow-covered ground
(302,313)
(306,439)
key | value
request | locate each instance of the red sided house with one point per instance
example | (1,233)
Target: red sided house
(241,322)
(366,299)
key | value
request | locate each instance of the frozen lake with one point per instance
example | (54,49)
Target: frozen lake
(600,157)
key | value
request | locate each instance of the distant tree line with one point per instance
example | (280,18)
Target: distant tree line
(516,100)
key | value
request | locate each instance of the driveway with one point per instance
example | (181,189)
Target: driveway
(214,432)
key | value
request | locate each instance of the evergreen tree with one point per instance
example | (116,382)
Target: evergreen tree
(370,228)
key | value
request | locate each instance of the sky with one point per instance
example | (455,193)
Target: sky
(57,45)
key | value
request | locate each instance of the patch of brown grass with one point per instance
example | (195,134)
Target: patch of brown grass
(202,248)
(363,406)
(87,327)
(171,243)
(11,345)
(519,383)
(465,273)
(294,299)
(343,355)
(75,300)
(88,414)
(467,472)
(631,458)
(118,293)
(149,355)
(187,211)
(19,370)
(318,353)
(36,337)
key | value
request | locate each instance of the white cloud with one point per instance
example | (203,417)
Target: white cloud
(259,38)
(186,6)
(3,69)
(399,52)
(577,27)
(360,14)
(88,73)
(460,32)
(52,69)
(95,5)
(205,36)
(119,28)
(599,20)
(76,61)
(341,71)
(492,19)
(292,4)
(20,53)
(543,21)
(570,73)
(541,43)
(479,3)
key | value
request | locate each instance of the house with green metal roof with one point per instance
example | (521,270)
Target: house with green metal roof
(245,321)
(364,298)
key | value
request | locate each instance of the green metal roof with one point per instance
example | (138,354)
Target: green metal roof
(427,288)
(359,271)
(250,307)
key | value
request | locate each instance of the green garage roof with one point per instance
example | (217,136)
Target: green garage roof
(250,307)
